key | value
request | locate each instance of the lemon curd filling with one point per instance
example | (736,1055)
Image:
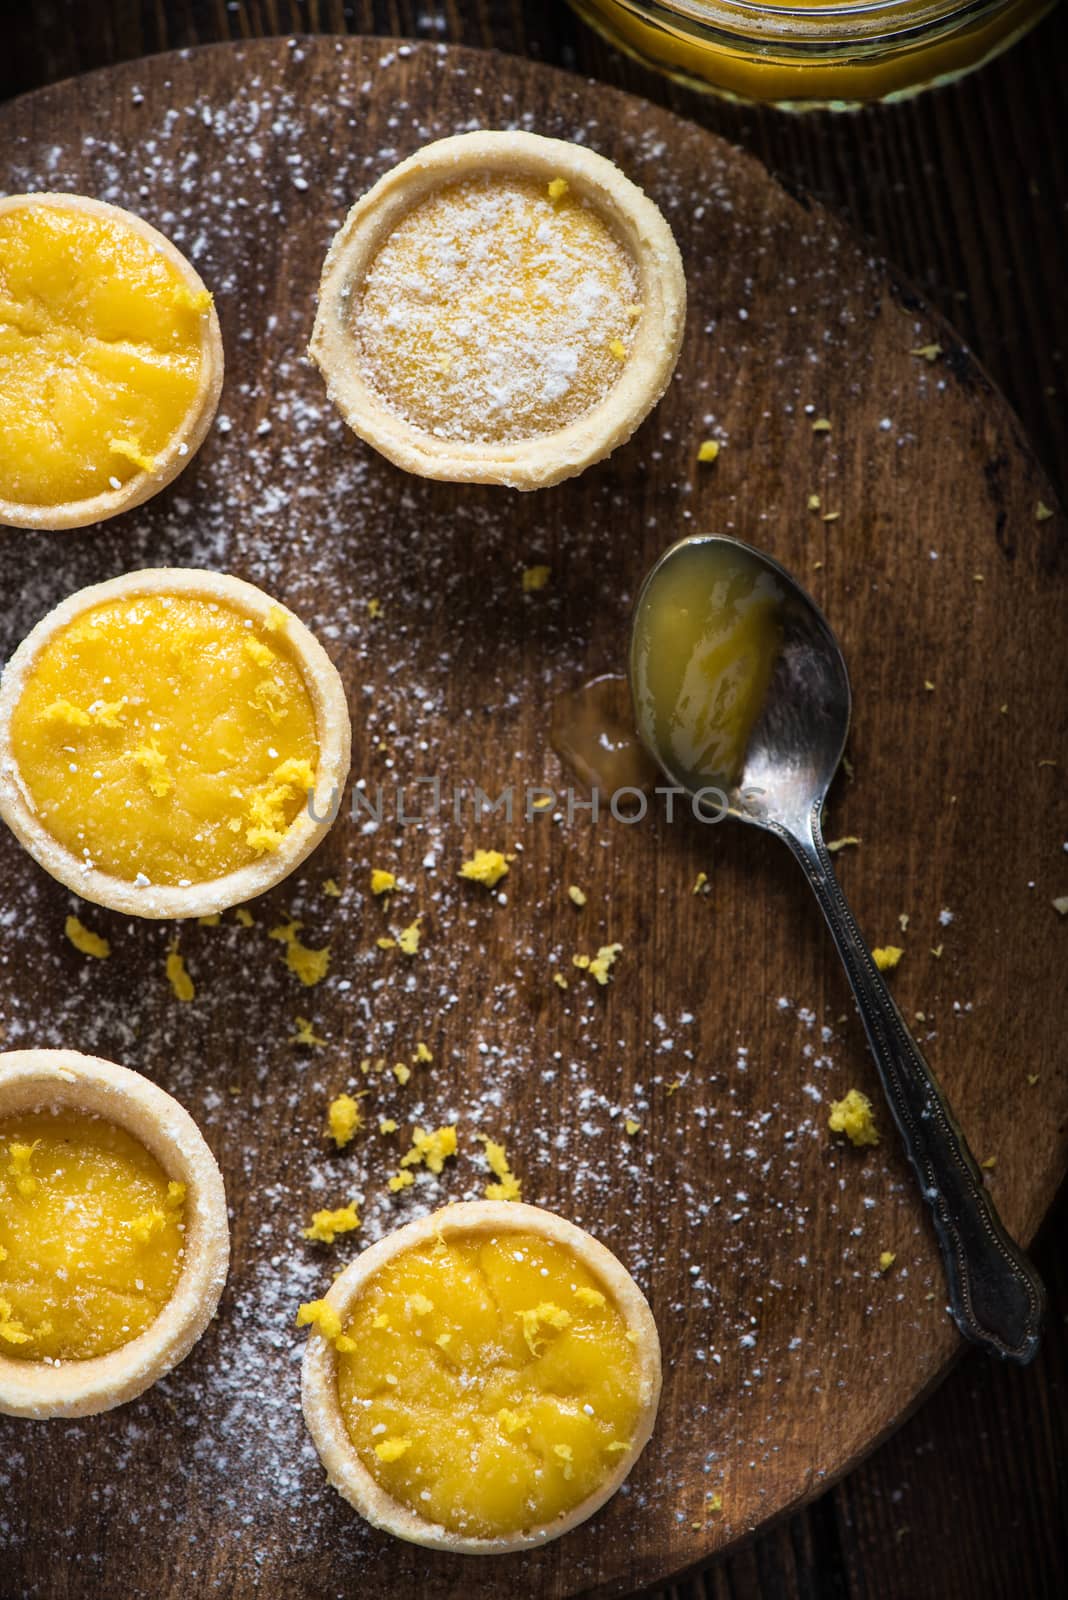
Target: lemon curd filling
(488,1383)
(499,309)
(707,635)
(91,1237)
(100,353)
(166,738)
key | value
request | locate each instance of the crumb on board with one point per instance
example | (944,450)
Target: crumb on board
(431,1147)
(599,966)
(305,1036)
(487,867)
(343,1119)
(852,1116)
(326,1225)
(535,578)
(887,956)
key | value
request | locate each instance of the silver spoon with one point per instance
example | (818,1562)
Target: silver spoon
(995,1296)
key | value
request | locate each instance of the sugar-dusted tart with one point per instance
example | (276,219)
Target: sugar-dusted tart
(111,361)
(481,1380)
(172,742)
(500,308)
(114,1241)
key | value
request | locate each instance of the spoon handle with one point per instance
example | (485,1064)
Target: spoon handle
(995,1296)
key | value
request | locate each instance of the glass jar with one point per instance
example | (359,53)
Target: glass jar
(808,54)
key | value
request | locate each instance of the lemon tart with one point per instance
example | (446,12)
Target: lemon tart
(172,742)
(114,1241)
(481,1380)
(500,308)
(111,361)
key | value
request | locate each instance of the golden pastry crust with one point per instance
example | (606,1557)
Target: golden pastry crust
(547,459)
(187,439)
(333,731)
(319,1389)
(35,1080)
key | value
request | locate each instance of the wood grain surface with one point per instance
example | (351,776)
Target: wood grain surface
(301,508)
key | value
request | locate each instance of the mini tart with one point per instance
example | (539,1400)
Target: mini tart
(116,333)
(325,693)
(323,1411)
(41,1080)
(617,219)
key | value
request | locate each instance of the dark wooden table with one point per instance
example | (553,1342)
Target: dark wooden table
(967,190)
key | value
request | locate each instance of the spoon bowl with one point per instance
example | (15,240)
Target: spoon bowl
(798,740)
(785,750)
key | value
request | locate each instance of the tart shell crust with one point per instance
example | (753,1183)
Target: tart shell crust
(333,730)
(322,1409)
(198,419)
(538,462)
(32,1080)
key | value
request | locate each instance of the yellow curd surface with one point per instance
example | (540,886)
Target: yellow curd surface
(488,1383)
(91,1237)
(707,634)
(168,736)
(100,353)
(499,309)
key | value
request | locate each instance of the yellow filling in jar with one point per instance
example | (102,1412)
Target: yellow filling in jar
(100,353)
(499,309)
(166,737)
(489,1383)
(91,1237)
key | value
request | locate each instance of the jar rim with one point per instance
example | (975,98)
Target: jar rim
(824,25)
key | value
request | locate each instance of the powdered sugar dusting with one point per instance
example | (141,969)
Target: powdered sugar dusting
(493,311)
(756,1236)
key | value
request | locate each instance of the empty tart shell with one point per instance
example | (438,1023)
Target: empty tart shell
(546,458)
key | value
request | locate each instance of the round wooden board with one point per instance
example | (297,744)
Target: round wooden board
(728,1026)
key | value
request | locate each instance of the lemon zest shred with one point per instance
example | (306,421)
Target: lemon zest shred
(326,1225)
(508,1186)
(85,940)
(178,976)
(344,1119)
